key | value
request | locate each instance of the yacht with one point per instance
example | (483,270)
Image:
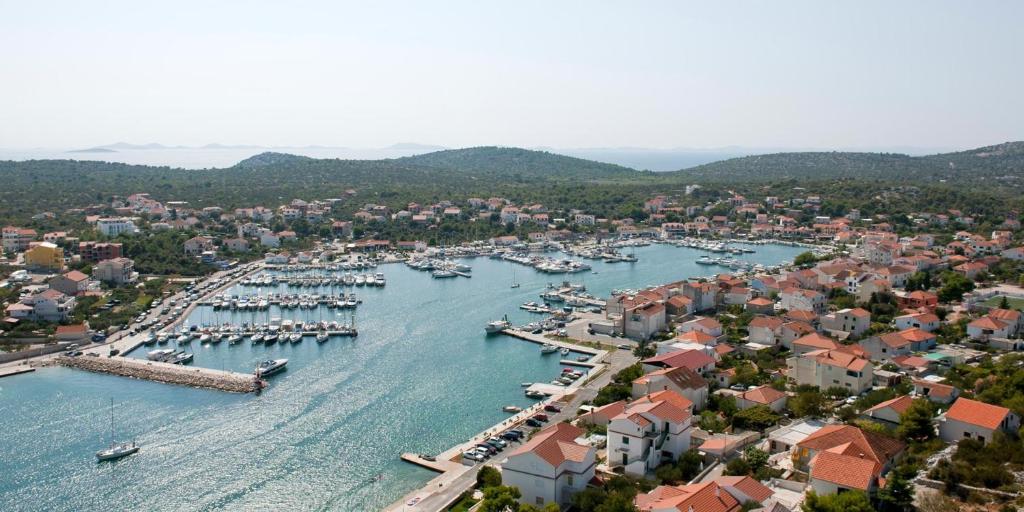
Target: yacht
(378,279)
(181,358)
(705,260)
(115,450)
(512,408)
(256,338)
(270,367)
(160,354)
(548,348)
(360,280)
(496,326)
(443,273)
(564,351)
(184,339)
(234,338)
(295,337)
(204,338)
(321,336)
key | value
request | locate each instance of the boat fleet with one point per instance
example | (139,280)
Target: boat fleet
(440,268)
(309,280)
(284,301)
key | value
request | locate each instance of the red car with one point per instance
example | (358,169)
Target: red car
(541,417)
(552,408)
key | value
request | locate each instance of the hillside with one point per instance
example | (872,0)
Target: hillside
(991,162)
(516,162)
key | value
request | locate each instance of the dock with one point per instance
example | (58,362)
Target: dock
(192,376)
(439,465)
(15,370)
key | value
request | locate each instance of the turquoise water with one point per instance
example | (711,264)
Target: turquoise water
(420,377)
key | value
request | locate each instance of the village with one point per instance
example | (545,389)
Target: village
(853,372)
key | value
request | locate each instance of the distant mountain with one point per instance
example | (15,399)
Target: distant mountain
(93,150)
(125,145)
(981,163)
(512,162)
(412,146)
(270,159)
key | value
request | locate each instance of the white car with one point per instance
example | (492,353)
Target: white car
(473,456)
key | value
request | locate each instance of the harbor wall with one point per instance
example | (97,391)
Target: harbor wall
(165,372)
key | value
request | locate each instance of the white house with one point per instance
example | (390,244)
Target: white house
(832,368)
(114,226)
(682,380)
(852,321)
(971,419)
(924,321)
(551,466)
(649,430)
(762,395)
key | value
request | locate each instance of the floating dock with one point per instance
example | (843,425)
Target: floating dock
(165,372)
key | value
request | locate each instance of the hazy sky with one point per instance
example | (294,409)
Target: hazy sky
(561,74)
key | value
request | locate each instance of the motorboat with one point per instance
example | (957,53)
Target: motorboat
(270,367)
(443,273)
(536,395)
(295,337)
(256,338)
(564,351)
(496,326)
(184,339)
(548,348)
(512,408)
(234,338)
(181,358)
(159,354)
(321,336)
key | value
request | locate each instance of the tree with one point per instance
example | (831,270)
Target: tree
(500,499)
(488,477)
(805,258)
(758,417)
(916,421)
(737,467)
(756,457)
(807,403)
(849,501)
(897,495)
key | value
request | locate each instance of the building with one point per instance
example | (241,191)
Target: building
(812,342)
(649,430)
(643,321)
(852,321)
(925,321)
(844,457)
(45,256)
(762,395)
(114,226)
(551,466)
(99,251)
(48,306)
(888,412)
(682,380)
(832,368)
(696,360)
(116,271)
(17,239)
(723,494)
(73,283)
(197,245)
(803,300)
(971,419)
(886,346)
(237,244)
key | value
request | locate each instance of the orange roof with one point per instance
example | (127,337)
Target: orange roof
(702,497)
(817,341)
(699,337)
(838,358)
(692,359)
(986,322)
(806,316)
(683,377)
(747,485)
(898,404)
(875,447)
(848,471)
(977,413)
(936,389)
(556,445)
(768,322)
(1006,315)
(760,301)
(915,334)
(859,312)
(763,395)
(76,276)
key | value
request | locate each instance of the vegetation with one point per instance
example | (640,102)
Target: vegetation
(849,501)
(981,465)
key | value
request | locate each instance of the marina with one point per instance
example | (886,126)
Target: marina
(352,404)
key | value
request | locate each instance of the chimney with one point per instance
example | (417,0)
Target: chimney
(718,491)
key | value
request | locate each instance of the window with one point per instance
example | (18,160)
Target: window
(539,500)
(569,480)
(625,459)
(625,440)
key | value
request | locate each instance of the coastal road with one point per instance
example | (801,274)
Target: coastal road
(446,488)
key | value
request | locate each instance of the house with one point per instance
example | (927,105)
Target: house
(832,368)
(45,256)
(73,283)
(197,245)
(917,299)
(72,333)
(237,244)
(114,226)
(852,321)
(792,331)
(812,342)
(888,412)
(679,305)
(681,380)
(928,322)
(706,325)
(987,327)
(760,306)
(803,300)
(695,360)
(551,466)
(764,329)
(17,239)
(643,321)
(116,271)
(971,269)
(939,393)
(971,419)
(723,494)
(886,346)
(649,430)
(844,457)
(49,306)
(99,251)
(762,395)
(785,438)
(703,295)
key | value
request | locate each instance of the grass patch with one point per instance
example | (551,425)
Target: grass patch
(1015,303)
(464,503)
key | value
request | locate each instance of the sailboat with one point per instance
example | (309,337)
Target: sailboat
(116,450)
(514,283)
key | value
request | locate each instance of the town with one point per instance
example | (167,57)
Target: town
(876,369)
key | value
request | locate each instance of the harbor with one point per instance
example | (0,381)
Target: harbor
(166,373)
(328,432)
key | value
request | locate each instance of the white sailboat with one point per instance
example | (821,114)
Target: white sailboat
(116,450)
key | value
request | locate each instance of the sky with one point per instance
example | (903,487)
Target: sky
(807,74)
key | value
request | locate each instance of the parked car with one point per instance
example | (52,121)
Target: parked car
(530,422)
(519,433)
(490,449)
(552,408)
(541,416)
(98,337)
(473,456)
(501,442)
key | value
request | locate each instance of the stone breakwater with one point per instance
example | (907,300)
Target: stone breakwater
(167,373)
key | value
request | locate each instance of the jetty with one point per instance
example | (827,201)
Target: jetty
(166,372)
(15,370)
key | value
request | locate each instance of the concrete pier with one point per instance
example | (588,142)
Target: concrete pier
(165,372)
(15,370)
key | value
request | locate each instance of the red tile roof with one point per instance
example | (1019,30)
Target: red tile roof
(977,413)
(763,395)
(898,404)
(692,359)
(816,340)
(844,470)
(556,445)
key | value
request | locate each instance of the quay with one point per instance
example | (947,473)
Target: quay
(165,372)
(15,370)
(597,355)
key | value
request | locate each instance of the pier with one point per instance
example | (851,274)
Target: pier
(15,370)
(165,372)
